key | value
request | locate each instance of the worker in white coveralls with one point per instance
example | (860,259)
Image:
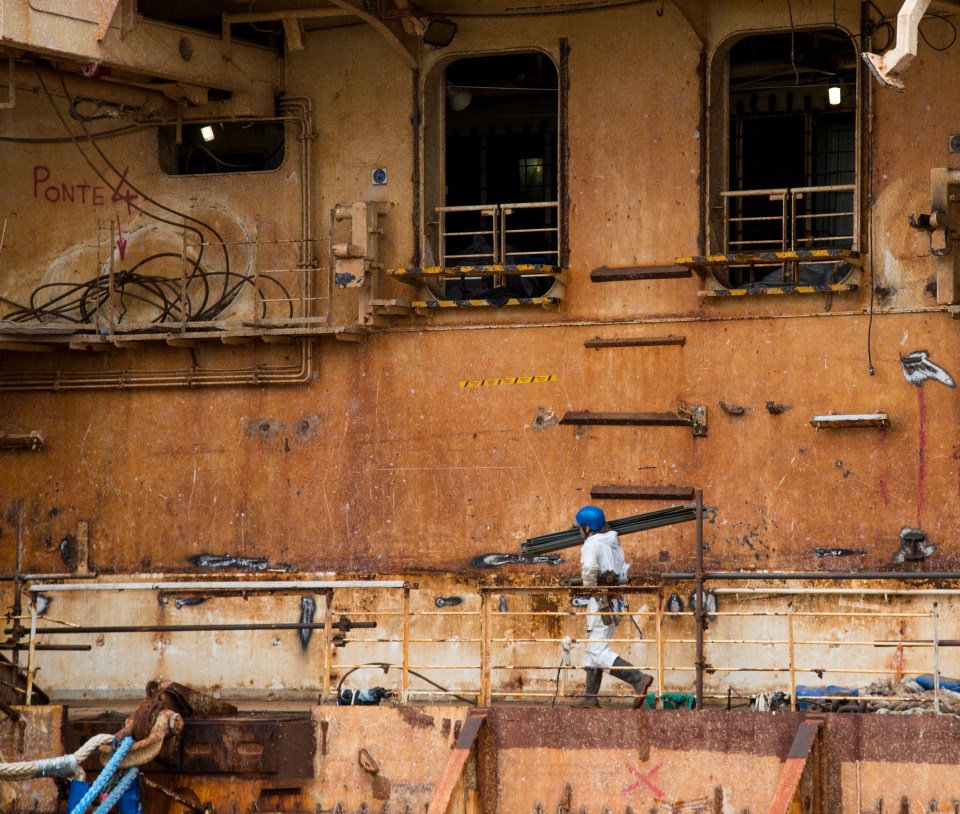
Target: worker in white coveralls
(602,563)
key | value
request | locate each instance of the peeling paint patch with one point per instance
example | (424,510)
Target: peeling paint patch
(308,608)
(543,419)
(415,718)
(776,409)
(230,561)
(734,409)
(496,560)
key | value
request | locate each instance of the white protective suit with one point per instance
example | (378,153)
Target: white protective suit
(600,552)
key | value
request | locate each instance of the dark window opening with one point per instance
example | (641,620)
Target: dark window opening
(501,173)
(222,147)
(792,153)
(206,15)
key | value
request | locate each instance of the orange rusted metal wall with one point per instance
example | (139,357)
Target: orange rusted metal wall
(383,463)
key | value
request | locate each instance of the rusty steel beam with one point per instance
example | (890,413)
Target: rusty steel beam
(32,441)
(458,759)
(619,274)
(343,625)
(613,492)
(634,341)
(793,767)
(625,419)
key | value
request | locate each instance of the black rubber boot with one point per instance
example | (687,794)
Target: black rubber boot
(594,677)
(637,679)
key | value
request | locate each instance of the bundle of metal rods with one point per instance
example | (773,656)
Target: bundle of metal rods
(625,525)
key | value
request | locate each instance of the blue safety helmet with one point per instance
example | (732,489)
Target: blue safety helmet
(591,517)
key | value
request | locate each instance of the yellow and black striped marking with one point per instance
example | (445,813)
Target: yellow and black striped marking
(836,288)
(474,271)
(481,303)
(760,258)
(510,380)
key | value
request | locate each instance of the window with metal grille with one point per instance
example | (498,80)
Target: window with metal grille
(791,147)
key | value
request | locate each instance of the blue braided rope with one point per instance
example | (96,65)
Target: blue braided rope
(115,795)
(104,776)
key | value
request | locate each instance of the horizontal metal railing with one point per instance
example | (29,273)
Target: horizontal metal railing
(797,219)
(491,245)
(504,644)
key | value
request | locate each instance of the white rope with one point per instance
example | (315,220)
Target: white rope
(65,766)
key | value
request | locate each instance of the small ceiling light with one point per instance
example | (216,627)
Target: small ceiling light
(833,95)
(439,32)
(207,132)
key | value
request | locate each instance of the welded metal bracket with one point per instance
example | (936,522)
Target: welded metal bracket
(456,762)
(796,762)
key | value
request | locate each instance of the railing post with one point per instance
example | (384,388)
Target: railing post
(485,690)
(700,613)
(183,280)
(256,273)
(790,655)
(936,659)
(404,687)
(659,625)
(327,634)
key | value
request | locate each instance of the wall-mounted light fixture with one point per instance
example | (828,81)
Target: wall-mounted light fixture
(439,33)
(458,98)
(207,132)
(834,95)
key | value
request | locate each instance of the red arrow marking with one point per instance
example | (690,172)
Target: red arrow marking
(644,779)
(121,241)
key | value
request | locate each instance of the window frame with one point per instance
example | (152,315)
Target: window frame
(718,148)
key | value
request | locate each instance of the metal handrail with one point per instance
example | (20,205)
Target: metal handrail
(497,233)
(494,643)
(790,238)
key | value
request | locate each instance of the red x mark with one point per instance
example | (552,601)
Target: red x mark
(644,779)
(127,196)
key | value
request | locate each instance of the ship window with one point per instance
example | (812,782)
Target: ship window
(790,158)
(221,147)
(499,202)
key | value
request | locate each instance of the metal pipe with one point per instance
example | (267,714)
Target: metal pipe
(235,585)
(842,591)
(812,575)
(57,631)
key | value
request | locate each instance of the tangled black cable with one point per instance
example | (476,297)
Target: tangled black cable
(191,299)
(383,665)
(80,302)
